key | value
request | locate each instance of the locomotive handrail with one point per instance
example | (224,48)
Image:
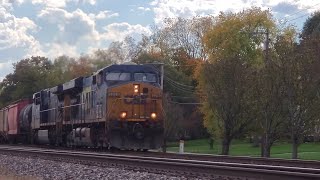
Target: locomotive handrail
(62,107)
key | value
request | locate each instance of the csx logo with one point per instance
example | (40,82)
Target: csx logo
(137,99)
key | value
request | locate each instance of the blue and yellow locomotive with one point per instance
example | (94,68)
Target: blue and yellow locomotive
(119,106)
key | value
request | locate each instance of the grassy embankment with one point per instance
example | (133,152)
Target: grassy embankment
(310,151)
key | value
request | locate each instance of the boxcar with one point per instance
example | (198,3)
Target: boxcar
(13,118)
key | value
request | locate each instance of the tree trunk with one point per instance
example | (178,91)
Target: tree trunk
(295,145)
(225,146)
(267,150)
(265,147)
(211,143)
(164,146)
(262,148)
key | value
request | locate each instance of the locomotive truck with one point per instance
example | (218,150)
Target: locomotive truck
(119,106)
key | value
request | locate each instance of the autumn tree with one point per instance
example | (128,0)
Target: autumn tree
(183,34)
(226,80)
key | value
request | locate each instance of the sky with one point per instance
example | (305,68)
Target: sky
(52,28)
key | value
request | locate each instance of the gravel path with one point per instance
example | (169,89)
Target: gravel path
(25,168)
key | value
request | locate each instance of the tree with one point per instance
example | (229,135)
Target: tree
(300,66)
(173,119)
(270,117)
(312,26)
(30,75)
(226,85)
(60,72)
(82,67)
(101,59)
(227,78)
(179,34)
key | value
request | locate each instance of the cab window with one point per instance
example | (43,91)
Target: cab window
(118,76)
(146,77)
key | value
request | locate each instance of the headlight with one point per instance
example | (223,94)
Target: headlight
(153,115)
(136,88)
(123,115)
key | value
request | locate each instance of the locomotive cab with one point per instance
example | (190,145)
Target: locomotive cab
(134,110)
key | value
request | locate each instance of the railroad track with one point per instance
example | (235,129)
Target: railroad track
(240,159)
(175,166)
(203,157)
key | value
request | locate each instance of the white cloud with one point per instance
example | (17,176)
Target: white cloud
(189,8)
(59,49)
(62,3)
(92,2)
(5,68)
(118,31)
(50,3)
(17,32)
(307,5)
(103,15)
(5,65)
(8,4)
(144,8)
(74,26)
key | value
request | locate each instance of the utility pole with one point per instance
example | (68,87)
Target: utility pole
(267,47)
(267,62)
(162,75)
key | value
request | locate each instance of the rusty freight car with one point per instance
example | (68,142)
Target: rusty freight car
(15,120)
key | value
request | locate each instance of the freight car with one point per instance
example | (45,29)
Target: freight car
(118,106)
(14,122)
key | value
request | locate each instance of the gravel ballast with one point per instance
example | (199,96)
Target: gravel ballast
(17,167)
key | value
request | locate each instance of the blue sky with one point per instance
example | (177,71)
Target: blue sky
(73,27)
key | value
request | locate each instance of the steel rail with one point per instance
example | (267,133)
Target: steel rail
(192,168)
(241,159)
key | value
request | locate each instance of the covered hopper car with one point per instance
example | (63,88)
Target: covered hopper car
(118,106)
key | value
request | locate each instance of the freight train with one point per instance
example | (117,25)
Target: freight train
(119,106)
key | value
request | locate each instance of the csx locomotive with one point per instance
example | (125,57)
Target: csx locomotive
(119,106)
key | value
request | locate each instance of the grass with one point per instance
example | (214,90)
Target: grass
(308,151)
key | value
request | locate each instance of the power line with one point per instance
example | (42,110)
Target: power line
(183,97)
(192,103)
(297,13)
(186,86)
(298,17)
(302,10)
(183,86)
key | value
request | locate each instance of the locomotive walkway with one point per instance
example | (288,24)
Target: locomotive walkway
(187,165)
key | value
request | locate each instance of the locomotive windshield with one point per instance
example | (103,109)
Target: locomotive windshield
(118,76)
(146,77)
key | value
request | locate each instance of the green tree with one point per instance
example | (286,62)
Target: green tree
(227,78)
(300,66)
(312,26)
(60,72)
(30,75)
(227,87)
